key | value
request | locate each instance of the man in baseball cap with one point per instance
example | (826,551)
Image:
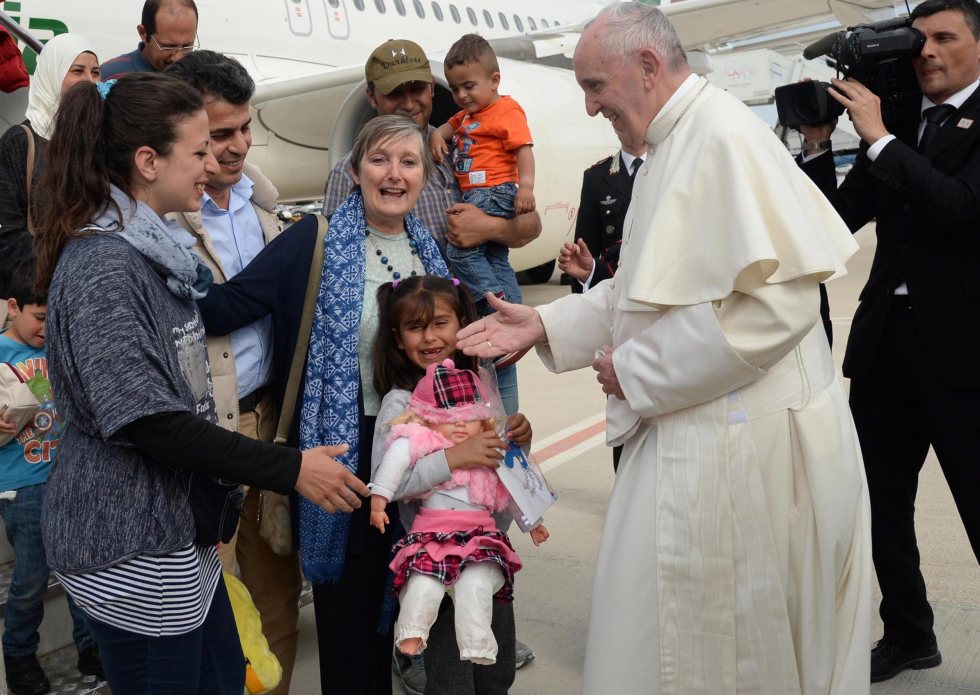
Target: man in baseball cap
(394,63)
(399,81)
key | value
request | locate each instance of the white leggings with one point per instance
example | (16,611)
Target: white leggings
(473,595)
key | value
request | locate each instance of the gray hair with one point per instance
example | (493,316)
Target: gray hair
(383,128)
(632,26)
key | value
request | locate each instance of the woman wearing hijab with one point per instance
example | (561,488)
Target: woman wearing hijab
(65,60)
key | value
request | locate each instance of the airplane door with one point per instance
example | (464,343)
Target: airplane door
(298,12)
(337,18)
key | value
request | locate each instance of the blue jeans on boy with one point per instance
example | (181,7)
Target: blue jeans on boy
(29,583)
(486,268)
(507,386)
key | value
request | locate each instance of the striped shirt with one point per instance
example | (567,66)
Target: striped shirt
(438,195)
(154,596)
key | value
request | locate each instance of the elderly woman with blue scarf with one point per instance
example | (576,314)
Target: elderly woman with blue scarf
(373,238)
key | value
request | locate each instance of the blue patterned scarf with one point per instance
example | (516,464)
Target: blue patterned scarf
(331,408)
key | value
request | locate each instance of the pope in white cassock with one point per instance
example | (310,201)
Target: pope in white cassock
(735,556)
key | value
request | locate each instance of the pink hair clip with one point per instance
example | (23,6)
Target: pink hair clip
(394,284)
(455,282)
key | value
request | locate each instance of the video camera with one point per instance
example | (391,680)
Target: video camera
(877,55)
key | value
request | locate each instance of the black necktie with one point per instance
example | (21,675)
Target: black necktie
(934,116)
(637,163)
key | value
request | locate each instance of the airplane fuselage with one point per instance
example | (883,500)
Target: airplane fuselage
(294,139)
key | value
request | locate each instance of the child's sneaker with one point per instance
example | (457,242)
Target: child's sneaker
(411,670)
(523,653)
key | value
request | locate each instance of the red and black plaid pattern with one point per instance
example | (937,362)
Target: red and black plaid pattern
(448,570)
(453,388)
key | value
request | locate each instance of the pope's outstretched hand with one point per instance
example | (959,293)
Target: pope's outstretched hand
(514,327)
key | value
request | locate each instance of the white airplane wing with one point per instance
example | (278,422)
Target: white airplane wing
(302,109)
(710,23)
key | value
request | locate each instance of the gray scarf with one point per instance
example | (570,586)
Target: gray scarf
(164,244)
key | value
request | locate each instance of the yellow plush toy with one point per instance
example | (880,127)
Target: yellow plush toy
(262,669)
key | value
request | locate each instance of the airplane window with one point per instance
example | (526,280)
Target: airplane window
(487,18)
(557,23)
(503,20)
(437,11)
(400,6)
(530,23)
(544,22)
(472,15)
(419,10)
(455,13)
(518,24)
(380,4)
(359,4)
(334,3)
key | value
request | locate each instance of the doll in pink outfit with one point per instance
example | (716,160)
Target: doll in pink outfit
(454,545)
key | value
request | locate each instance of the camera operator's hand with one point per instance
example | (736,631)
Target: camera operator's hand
(863,107)
(816,132)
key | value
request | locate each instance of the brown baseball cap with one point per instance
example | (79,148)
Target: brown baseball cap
(396,62)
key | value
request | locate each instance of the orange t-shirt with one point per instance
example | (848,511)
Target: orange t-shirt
(484,143)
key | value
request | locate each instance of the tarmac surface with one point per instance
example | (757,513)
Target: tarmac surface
(554,588)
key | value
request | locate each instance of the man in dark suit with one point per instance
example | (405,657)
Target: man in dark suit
(912,352)
(607,187)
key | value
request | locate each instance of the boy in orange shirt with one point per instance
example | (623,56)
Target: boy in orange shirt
(493,161)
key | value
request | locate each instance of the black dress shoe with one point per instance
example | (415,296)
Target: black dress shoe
(888,660)
(89,662)
(25,675)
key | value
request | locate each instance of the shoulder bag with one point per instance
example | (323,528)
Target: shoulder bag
(275,515)
(30,176)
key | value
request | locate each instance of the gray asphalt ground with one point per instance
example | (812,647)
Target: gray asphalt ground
(553,589)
